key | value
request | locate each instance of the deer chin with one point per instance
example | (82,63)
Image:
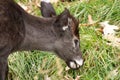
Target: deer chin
(75,64)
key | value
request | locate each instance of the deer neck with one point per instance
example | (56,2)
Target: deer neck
(39,34)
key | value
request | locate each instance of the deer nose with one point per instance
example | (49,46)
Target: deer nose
(79,62)
(75,64)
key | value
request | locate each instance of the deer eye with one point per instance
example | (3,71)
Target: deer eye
(76,42)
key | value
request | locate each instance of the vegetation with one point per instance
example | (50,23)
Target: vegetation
(102,62)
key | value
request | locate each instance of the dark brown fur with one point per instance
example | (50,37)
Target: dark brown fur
(47,10)
(22,31)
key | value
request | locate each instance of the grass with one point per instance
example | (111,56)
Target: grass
(101,60)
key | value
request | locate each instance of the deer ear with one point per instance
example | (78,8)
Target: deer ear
(62,19)
(61,22)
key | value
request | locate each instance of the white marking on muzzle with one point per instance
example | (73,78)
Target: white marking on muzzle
(64,27)
(72,65)
(79,62)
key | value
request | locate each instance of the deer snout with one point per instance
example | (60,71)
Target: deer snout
(76,63)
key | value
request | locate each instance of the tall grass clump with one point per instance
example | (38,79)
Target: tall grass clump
(102,62)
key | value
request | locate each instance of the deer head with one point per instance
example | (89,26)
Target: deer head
(67,44)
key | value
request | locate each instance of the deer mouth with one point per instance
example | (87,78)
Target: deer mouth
(75,64)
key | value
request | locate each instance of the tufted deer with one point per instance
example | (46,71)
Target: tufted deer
(20,31)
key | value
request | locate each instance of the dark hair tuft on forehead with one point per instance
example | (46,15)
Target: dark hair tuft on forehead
(75,26)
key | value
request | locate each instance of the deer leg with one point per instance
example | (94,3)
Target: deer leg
(3,68)
(4,53)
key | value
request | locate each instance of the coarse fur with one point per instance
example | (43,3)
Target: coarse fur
(20,31)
